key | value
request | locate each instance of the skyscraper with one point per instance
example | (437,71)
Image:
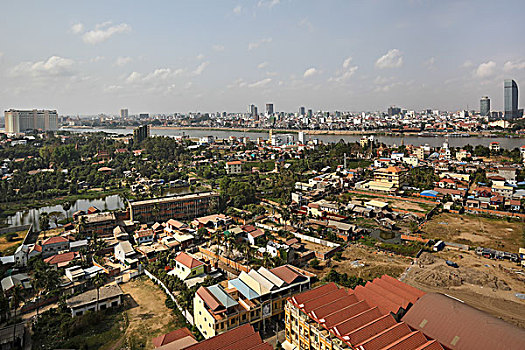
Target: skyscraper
(302,111)
(484,106)
(253,110)
(269,108)
(124,113)
(17,121)
(510,94)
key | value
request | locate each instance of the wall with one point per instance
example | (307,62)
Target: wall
(231,263)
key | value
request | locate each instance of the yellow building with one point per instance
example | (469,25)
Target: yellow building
(368,317)
(253,298)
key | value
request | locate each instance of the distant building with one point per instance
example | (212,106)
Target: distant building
(18,121)
(302,111)
(269,109)
(310,113)
(124,113)
(394,111)
(187,206)
(301,137)
(484,106)
(510,94)
(252,109)
(233,167)
(141,133)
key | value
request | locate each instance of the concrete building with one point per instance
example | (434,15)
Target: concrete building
(368,317)
(186,267)
(255,298)
(484,106)
(269,109)
(233,167)
(124,113)
(19,121)
(186,206)
(107,296)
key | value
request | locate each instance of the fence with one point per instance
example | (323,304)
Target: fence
(15,229)
(321,255)
(234,265)
(185,313)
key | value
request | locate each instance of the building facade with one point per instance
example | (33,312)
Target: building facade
(484,106)
(186,206)
(255,298)
(19,121)
(510,95)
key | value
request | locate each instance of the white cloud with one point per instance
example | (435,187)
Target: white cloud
(54,66)
(310,72)
(237,9)
(159,74)
(430,62)
(201,68)
(305,22)
(104,31)
(260,83)
(77,28)
(256,44)
(509,65)
(218,47)
(122,61)
(467,64)
(486,69)
(347,71)
(134,77)
(262,65)
(268,3)
(200,56)
(392,59)
(97,59)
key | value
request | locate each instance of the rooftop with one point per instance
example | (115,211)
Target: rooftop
(105,292)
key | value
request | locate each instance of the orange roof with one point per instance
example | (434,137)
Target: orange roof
(61,258)
(55,240)
(172,336)
(188,260)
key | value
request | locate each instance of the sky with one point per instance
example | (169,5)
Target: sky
(90,57)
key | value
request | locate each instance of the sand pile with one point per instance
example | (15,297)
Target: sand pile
(433,271)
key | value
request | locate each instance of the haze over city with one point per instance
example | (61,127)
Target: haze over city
(96,57)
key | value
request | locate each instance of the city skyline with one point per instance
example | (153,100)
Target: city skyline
(208,57)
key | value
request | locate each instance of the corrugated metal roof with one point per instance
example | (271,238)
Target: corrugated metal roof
(242,288)
(223,297)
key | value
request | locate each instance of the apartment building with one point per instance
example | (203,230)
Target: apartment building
(368,317)
(177,207)
(233,167)
(256,298)
(387,179)
(101,224)
(18,121)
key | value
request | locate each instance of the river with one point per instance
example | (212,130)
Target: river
(505,142)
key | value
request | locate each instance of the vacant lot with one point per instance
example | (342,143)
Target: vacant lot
(147,315)
(482,283)
(375,264)
(476,231)
(397,203)
(9,246)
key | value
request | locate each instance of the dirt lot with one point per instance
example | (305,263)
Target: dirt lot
(9,246)
(315,247)
(482,283)
(375,263)
(476,231)
(147,315)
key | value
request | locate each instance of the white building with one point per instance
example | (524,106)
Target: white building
(18,121)
(107,296)
(234,167)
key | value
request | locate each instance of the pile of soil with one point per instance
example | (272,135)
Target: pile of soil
(433,271)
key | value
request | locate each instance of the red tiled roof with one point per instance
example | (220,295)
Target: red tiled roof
(172,336)
(387,336)
(61,258)
(286,274)
(370,329)
(188,261)
(54,240)
(210,299)
(346,313)
(240,338)
(330,307)
(314,293)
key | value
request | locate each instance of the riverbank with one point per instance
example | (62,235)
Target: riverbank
(488,134)
(11,208)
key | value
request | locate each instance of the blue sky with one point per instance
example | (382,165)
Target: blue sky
(176,56)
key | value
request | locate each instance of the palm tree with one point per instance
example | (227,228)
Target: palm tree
(98,282)
(66,206)
(16,297)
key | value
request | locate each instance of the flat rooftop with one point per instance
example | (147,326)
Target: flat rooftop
(174,198)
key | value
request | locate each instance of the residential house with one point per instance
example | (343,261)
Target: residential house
(233,167)
(252,298)
(105,297)
(54,245)
(186,266)
(174,340)
(19,279)
(62,260)
(144,235)
(254,235)
(125,254)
